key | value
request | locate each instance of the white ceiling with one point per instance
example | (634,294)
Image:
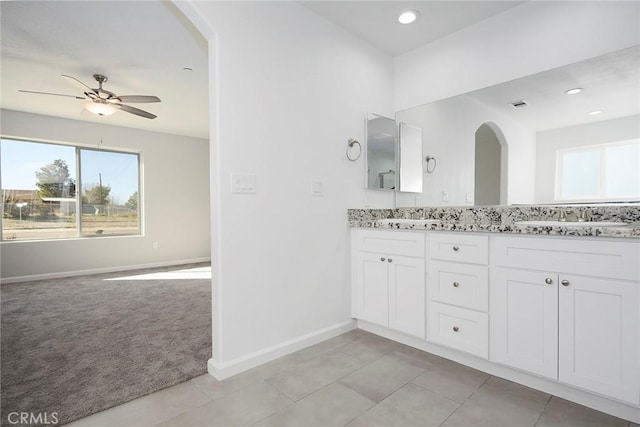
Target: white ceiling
(142,47)
(611,84)
(377,21)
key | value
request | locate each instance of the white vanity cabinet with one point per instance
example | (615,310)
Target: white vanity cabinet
(569,310)
(389,279)
(458,291)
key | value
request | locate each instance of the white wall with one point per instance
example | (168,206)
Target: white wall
(289,90)
(548,142)
(448,134)
(527,39)
(175,175)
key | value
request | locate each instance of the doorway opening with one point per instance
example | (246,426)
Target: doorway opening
(490,166)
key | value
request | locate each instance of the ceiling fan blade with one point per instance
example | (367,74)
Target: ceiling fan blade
(137,98)
(49,93)
(78,82)
(134,110)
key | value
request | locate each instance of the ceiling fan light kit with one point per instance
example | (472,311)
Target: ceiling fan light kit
(103,102)
(99,108)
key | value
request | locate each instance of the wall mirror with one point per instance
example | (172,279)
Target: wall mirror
(539,135)
(393,155)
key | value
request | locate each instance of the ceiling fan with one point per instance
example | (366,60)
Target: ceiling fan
(103,102)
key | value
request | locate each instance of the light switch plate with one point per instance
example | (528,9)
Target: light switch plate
(317,188)
(243,183)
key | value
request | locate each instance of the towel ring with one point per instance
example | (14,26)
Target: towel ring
(350,145)
(435,163)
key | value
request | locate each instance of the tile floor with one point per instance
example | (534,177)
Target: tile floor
(356,379)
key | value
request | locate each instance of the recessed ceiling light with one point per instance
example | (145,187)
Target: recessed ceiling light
(408,17)
(595,112)
(573,91)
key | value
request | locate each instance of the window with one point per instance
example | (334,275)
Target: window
(605,172)
(52,191)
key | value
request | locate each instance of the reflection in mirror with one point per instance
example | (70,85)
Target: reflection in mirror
(410,158)
(488,166)
(537,132)
(381,165)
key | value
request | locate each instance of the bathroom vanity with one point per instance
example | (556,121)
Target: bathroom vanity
(554,307)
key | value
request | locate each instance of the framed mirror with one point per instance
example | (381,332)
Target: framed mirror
(393,155)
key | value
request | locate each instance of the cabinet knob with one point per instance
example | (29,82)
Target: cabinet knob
(382,258)
(456,329)
(456,284)
(548,281)
(456,248)
(389,260)
(565,283)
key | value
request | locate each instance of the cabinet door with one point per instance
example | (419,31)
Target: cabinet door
(407,298)
(370,293)
(524,320)
(599,336)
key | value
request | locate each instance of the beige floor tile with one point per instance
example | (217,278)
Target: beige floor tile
(515,389)
(148,410)
(379,379)
(218,389)
(491,407)
(307,377)
(416,357)
(323,347)
(369,348)
(410,406)
(334,405)
(241,408)
(562,413)
(452,380)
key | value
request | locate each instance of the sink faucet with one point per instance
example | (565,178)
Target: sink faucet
(580,215)
(585,214)
(562,215)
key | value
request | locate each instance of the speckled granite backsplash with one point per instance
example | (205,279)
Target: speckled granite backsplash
(502,219)
(498,214)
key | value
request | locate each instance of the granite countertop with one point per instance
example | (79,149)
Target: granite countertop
(502,219)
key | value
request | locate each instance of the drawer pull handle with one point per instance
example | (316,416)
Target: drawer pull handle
(382,258)
(389,260)
(548,281)
(456,284)
(565,283)
(456,249)
(456,329)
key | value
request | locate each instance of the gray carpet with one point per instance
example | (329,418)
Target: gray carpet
(80,345)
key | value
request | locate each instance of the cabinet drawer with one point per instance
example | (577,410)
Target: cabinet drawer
(459,328)
(464,285)
(601,258)
(459,247)
(409,243)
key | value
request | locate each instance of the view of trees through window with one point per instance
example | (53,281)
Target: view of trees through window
(44,186)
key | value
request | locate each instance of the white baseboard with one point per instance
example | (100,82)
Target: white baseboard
(56,275)
(225,370)
(554,388)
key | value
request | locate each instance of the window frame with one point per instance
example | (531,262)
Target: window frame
(78,202)
(600,196)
